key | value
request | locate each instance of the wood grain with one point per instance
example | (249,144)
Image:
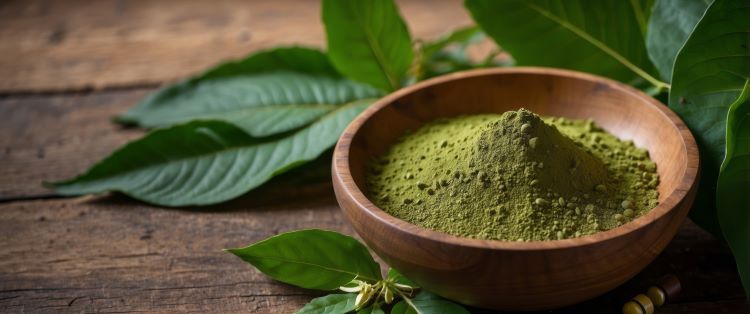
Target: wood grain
(48,138)
(81,44)
(112,254)
(116,255)
(520,275)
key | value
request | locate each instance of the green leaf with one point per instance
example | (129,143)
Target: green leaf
(267,93)
(312,259)
(206,162)
(368,41)
(397,277)
(449,54)
(401,308)
(372,309)
(330,304)
(424,302)
(642,10)
(709,73)
(428,303)
(464,36)
(601,37)
(733,201)
(671,23)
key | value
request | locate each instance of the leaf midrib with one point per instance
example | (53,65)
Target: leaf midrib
(282,259)
(638,12)
(210,115)
(596,43)
(375,48)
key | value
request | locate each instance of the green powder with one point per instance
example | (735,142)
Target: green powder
(514,177)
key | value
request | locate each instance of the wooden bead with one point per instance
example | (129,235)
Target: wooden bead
(658,296)
(632,307)
(645,302)
(671,286)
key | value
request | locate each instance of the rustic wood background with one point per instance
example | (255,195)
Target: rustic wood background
(66,67)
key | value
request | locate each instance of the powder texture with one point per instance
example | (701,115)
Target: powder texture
(514,177)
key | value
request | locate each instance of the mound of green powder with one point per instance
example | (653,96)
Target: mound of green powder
(514,177)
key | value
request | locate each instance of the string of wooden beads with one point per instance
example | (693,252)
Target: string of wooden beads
(667,288)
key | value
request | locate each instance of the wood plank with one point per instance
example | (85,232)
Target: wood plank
(113,254)
(120,256)
(54,137)
(79,44)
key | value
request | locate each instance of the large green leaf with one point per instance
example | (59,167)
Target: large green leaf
(368,41)
(428,303)
(709,73)
(206,162)
(733,200)
(601,37)
(312,259)
(330,304)
(267,93)
(671,23)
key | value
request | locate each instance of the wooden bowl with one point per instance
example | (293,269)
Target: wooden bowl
(519,275)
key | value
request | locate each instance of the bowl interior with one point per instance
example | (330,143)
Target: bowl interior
(619,109)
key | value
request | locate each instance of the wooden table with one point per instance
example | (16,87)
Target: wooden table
(66,67)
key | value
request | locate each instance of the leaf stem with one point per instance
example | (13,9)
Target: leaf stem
(408,301)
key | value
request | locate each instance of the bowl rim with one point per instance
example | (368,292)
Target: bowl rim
(342,171)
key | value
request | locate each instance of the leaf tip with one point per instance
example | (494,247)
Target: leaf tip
(233,251)
(53,185)
(124,119)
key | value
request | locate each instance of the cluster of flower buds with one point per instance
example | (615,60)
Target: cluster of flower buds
(383,291)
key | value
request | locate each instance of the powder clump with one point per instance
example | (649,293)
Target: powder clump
(514,177)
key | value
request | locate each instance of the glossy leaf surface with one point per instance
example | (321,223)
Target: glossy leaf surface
(206,162)
(312,259)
